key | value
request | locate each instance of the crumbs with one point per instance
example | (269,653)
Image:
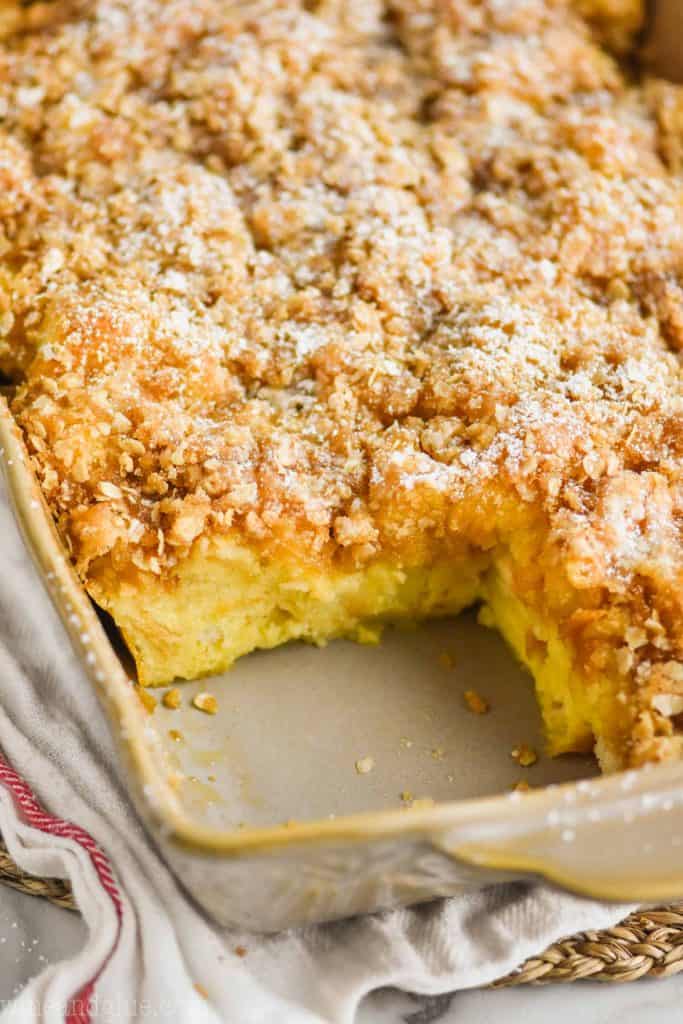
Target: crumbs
(524,755)
(172,700)
(146,699)
(477,704)
(205,702)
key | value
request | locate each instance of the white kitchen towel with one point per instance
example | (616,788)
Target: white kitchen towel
(150,953)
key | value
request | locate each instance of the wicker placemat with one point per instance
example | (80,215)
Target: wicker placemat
(56,890)
(647,942)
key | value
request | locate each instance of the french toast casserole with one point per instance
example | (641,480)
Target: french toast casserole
(328,313)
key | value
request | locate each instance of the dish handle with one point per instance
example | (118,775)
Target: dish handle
(622,840)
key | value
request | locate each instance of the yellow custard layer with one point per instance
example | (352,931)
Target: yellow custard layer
(227,601)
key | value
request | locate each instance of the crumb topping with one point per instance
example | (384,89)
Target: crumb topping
(357,280)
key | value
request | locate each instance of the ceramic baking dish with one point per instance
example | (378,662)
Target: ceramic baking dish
(263,812)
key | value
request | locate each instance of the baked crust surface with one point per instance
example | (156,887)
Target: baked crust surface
(356,282)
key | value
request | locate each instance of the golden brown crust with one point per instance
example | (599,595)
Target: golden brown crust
(358,279)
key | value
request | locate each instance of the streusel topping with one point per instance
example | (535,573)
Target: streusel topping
(355,279)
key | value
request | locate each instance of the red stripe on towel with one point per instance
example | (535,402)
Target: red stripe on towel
(79,1008)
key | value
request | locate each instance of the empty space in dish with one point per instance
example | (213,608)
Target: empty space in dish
(292,723)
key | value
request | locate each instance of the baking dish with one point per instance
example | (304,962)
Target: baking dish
(268,813)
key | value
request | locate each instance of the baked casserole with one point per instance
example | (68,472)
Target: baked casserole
(327,314)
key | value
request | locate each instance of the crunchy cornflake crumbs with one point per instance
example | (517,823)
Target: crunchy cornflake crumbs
(175,735)
(475,702)
(202,991)
(240,951)
(406,796)
(524,755)
(171,699)
(522,786)
(364,765)
(205,702)
(146,699)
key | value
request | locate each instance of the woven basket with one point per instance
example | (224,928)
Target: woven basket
(647,942)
